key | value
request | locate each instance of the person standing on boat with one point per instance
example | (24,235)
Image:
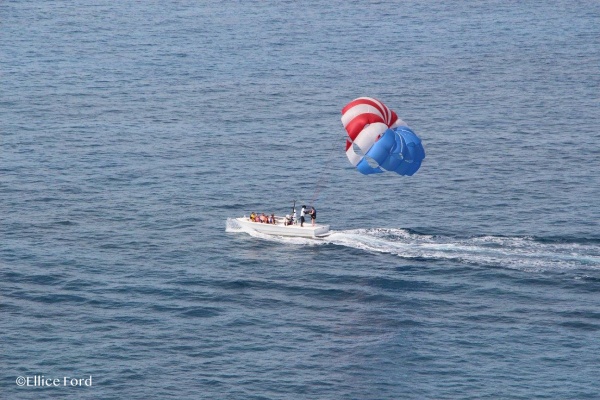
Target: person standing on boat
(313,215)
(302,214)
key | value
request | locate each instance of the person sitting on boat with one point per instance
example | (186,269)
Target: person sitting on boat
(294,221)
(263,218)
(253,217)
(272,219)
(288,220)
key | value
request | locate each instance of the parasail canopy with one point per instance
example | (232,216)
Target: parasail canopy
(378,140)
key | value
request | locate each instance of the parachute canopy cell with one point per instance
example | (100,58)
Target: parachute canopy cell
(378,140)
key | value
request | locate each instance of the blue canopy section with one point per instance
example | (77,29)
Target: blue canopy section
(398,150)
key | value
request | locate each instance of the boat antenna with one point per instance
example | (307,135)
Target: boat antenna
(293,207)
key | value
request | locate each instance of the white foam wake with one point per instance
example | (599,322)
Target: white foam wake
(513,252)
(522,253)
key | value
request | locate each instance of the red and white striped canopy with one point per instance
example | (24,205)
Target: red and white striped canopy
(366,119)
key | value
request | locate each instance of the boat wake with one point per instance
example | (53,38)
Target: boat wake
(523,253)
(512,252)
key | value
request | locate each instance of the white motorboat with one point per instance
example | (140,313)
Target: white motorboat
(280,229)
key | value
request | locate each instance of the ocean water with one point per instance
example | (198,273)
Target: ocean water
(131,132)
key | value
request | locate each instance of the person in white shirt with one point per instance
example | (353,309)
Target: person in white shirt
(302,214)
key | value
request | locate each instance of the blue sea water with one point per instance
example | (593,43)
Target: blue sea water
(132,131)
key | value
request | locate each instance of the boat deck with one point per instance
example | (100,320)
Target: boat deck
(279,229)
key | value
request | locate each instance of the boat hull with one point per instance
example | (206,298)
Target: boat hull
(279,229)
